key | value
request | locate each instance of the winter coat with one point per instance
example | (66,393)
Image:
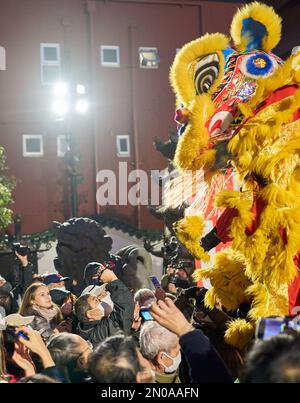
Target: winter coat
(206,366)
(121,317)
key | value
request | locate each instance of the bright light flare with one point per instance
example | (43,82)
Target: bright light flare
(60,107)
(81,106)
(60,89)
(80,89)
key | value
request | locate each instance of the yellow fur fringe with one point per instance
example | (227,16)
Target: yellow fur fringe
(267,301)
(181,77)
(227,279)
(189,232)
(191,151)
(239,333)
(266,16)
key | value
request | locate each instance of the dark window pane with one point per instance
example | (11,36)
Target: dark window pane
(51,74)
(33,145)
(110,56)
(123,146)
(50,54)
(149,58)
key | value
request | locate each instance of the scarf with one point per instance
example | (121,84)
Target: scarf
(47,313)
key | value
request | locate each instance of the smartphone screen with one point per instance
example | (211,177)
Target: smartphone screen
(17,334)
(155,282)
(145,314)
(272,327)
(269,327)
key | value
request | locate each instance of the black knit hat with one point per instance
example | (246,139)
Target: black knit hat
(58,295)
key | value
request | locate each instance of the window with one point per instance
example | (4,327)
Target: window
(33,145)
(123,146)
(50,63)
(62,146)
(110,56)
(2,58)
(149,58)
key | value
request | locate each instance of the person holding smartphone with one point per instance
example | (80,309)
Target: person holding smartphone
(143,299)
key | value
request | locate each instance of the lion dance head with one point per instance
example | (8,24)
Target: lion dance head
(238,109)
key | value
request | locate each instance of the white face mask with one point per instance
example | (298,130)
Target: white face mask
(176,361)
(107,300)
(99,306)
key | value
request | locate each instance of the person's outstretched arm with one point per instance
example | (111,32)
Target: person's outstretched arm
(205,363)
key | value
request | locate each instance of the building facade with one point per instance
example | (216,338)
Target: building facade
(121,51)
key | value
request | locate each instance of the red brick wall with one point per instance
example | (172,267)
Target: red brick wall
(41,193)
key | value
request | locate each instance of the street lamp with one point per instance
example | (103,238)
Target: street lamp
(65,103)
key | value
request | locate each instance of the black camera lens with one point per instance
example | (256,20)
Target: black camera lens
(20,249)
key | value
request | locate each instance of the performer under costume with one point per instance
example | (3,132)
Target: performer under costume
(239,109)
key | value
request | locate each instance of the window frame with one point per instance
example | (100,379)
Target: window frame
(120,137)
(59,152)
(32,154)
(109,64)
(147,48)
(49,63)
(2,58)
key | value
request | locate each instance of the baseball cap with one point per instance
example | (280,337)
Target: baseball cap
(15,320)
(58,295)
(95,290)
(53,278)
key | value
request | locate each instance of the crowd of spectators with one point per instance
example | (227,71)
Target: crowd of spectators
(112,334)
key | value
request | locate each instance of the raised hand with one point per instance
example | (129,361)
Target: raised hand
(22,358)
(169,316)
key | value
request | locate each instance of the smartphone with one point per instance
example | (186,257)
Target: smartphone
(145,314)
(159,292)
(155,282)
(268,327)
(16,335)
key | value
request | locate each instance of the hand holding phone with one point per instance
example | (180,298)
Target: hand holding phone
(145,314)
(16,334)
(159,292)
(155,282)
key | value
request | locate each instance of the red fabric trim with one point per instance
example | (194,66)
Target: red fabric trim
(294,288)
(296,115)
(276,96)
(224,223)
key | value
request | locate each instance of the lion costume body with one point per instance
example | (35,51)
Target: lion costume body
(239,110)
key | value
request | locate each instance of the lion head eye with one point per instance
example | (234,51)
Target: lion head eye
(258,65)
(206,72)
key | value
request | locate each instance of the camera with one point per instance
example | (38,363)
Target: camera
(20,249)
(170,246)
(269,327)
(184,264)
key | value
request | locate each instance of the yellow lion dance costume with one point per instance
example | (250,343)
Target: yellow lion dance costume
(238,108)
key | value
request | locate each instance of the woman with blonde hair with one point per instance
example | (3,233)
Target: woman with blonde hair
(37,301)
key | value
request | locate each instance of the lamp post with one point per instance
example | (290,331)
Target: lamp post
(67,102)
